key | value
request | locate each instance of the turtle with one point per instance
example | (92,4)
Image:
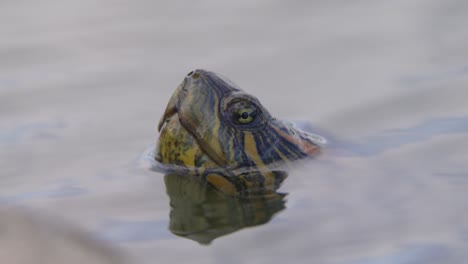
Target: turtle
(213,129)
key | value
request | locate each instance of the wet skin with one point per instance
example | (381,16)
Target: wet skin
(213,129)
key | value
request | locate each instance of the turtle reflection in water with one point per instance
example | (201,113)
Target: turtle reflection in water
(223,153)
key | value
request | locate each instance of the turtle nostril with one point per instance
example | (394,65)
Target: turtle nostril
(193,74)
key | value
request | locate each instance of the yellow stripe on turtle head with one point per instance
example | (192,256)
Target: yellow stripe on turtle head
(250,149)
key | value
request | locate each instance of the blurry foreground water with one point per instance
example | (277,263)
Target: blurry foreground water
(83,83)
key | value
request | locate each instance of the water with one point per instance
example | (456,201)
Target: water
(83,84)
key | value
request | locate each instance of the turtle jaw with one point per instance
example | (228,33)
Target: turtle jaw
(181,124)
(177,146)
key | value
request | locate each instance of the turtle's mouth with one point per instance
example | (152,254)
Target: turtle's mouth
(185,119)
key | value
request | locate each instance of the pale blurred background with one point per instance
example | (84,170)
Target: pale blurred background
(83,84)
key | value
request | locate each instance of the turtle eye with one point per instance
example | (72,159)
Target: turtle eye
(245,115)
(243,112)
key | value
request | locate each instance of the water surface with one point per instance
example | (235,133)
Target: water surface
(83,84)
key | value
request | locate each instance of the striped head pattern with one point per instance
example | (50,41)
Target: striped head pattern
(210,123)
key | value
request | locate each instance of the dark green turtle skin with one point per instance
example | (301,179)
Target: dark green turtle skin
(213,129)
(211,123)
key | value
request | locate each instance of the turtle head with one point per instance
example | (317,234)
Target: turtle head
(210,122)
